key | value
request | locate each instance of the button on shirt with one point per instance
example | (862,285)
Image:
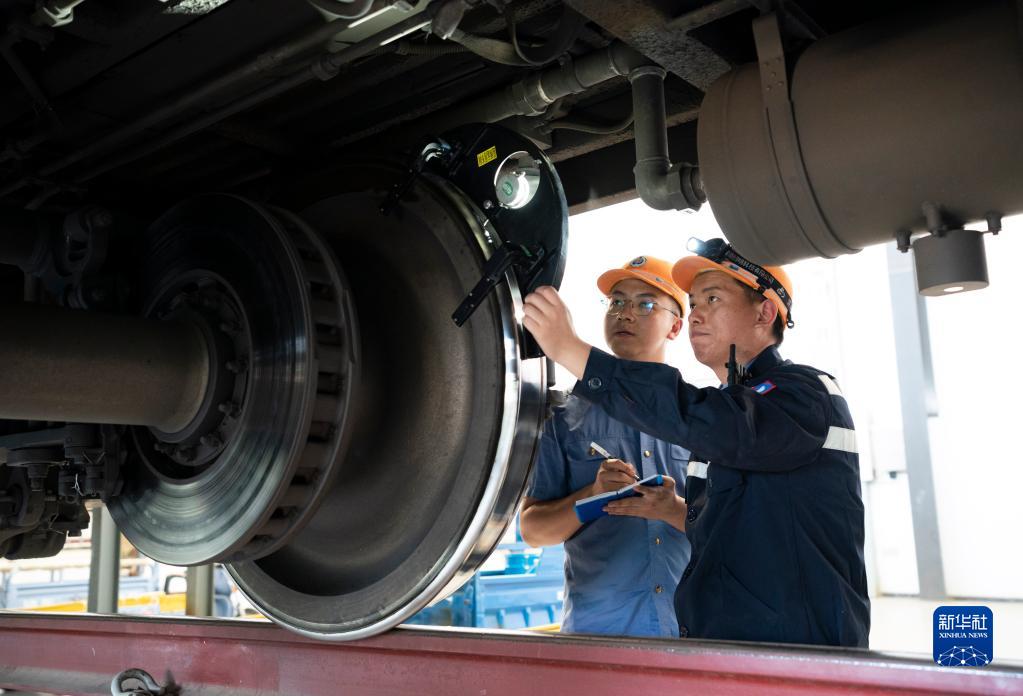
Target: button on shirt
(617,568)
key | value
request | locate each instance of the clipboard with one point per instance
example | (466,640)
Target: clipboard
(589,509)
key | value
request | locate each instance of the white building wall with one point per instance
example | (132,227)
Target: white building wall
(976,341)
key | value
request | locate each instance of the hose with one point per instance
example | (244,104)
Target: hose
(494,50)
(588,126)
(342,9)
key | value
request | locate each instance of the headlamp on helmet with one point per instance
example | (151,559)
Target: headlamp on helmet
(721,252)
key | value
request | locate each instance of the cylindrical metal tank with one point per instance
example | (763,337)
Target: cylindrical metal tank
(888,117)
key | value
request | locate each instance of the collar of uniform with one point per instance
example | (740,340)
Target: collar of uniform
(768,359)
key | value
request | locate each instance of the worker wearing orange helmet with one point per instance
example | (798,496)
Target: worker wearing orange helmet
(774,517)
(621,569)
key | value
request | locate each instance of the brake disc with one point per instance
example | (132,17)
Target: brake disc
(275,314)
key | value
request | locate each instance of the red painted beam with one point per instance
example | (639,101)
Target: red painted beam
(81,654)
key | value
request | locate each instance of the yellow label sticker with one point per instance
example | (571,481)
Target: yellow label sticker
(488,155)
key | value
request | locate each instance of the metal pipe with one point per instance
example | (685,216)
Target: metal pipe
(913,360)
(660,184)
(32,88)
(649,112)
(532,95)
(85,367)
(259,65)
(199,590)
(407,48)
(325,68)
(616,60)
(105,565)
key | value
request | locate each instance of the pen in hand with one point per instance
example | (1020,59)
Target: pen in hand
(606,455)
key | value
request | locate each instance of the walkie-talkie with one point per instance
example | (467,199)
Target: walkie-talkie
(736,373)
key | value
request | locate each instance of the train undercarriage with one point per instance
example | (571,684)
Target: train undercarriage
(262,263)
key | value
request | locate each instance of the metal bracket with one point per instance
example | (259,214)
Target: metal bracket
(89,450)
(537,231)
(60,468)
(56,13)
(528,236)
(788,158)
(149,686)
(67,257)
(527,262)
(435,150)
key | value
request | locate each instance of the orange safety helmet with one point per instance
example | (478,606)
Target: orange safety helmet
(717,255)
(652,271)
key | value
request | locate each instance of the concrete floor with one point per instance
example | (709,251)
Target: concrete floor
(904,625)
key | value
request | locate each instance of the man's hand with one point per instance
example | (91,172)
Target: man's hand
(548,319)
(612,475)
(654,503)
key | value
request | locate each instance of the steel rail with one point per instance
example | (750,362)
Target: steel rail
(80,654)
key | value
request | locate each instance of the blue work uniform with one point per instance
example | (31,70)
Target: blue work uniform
(620,572)
(775,514)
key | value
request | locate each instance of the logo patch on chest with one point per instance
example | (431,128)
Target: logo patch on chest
(765,387)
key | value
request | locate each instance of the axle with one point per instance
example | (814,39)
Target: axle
(84,367)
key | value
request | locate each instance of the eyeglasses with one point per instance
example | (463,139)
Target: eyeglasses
(641,308)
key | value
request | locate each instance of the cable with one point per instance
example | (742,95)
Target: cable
(588,126)
(494,50)
(556,45)
(342,9)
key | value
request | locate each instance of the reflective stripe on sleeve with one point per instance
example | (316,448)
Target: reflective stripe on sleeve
(842,439)
(831,385)
(697,469)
